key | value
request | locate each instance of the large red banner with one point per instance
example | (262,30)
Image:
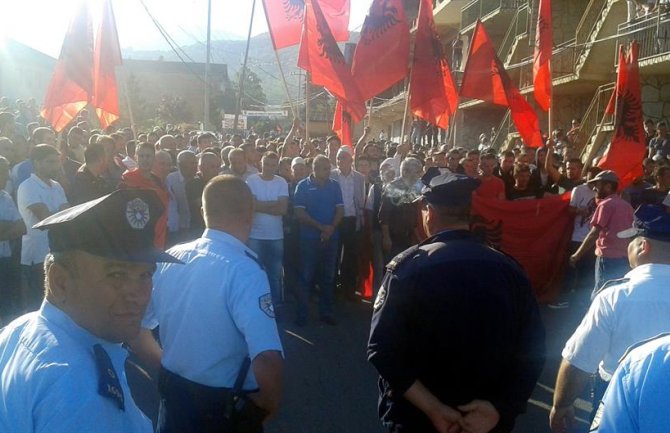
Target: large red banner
(535,232)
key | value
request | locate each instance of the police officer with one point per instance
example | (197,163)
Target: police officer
(624,312)
(62,367)
(456,334)
(214,312)
(638,396)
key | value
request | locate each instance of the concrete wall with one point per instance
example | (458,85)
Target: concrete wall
(656,97)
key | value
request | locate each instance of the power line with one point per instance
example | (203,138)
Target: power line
(171,43)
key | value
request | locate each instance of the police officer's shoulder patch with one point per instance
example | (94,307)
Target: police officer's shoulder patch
(611,283)
(266,305)
(381,298)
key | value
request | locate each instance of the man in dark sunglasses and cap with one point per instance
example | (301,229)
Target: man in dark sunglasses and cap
(456,334)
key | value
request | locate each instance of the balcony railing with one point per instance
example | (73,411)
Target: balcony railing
(594,117)
(481,8)
(652,33)
(517,29)
(562,64)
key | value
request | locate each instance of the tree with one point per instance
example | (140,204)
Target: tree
(253,97)
(174,109)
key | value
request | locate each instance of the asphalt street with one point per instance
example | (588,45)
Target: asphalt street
(330,388)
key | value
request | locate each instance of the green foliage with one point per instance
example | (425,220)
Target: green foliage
(254,97)
(174,109)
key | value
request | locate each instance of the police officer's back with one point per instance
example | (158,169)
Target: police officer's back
(455,322)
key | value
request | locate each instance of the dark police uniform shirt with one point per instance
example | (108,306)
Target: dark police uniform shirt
(460,317)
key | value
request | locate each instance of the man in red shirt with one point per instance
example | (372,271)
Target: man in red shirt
(142,177)
(491,186)
(612,215)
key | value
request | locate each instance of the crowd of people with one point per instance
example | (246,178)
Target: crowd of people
(327,218)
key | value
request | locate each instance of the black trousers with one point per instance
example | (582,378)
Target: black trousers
(347,258)
(189,407)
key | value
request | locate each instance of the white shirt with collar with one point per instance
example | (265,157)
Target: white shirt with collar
(353,193)
(213,311)
(620,316)
(35,243)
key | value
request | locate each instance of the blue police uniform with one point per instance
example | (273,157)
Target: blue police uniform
(459,317)
(55,375)
(50,374)
(624,311)
(637,398)
(213,312)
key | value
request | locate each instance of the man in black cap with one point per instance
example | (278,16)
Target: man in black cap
(456,333)
(62,367)
(623,313)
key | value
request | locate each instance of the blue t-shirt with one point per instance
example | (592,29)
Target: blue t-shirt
(320,203)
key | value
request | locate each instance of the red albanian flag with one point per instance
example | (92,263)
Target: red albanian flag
(321,57)
(485,78)
(542,56)
(71,85)
(628,148)
(433,95)
(382,54)
(526,230)
(107,57)
(285,20)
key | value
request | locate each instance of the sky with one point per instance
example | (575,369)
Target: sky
(184,20)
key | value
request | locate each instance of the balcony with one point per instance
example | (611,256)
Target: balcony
(653,35)
(484,9)
(562,66)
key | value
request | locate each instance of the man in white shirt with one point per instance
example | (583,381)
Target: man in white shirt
(352,184)
(38,197)
(267,232)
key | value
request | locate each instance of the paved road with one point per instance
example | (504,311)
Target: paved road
(330,387)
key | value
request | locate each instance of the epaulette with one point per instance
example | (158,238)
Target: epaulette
(640,343)
(255,259)
(397,260)
(611,283)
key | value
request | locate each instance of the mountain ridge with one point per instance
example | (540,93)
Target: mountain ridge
(230,52)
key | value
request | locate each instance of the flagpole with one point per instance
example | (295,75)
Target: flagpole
(205,123)
(295,114)
(243,74)
(404,116)
(550,113)
(308,95)
(130,108)
(370,112)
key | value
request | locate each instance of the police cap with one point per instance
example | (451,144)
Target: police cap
(119,226)
(651,221)
(449,189)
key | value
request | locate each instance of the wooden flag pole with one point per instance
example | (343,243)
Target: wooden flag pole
(244,69)
(370,111)
(308,96)
(130,108)
(294,112)
(404,116)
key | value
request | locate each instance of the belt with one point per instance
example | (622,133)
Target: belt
(168,380)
